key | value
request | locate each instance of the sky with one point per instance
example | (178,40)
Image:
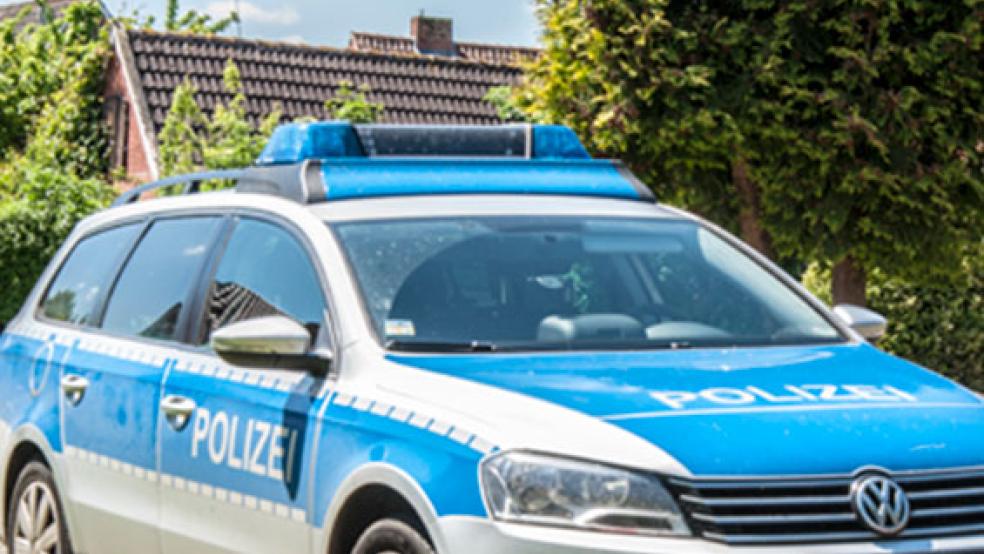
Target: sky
(328,22)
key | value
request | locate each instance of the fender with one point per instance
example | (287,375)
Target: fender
(30,434)
(378,473)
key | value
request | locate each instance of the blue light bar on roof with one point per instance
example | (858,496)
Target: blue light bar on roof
(297,142)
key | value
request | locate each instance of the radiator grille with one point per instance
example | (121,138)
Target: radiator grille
(807,510)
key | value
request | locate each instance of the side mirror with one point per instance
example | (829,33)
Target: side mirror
(870,325)
(270,342)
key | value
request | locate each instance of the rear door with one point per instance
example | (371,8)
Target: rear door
(38,355)
(112,383)
(236,448)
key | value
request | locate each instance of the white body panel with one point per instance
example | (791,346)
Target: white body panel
(112,507)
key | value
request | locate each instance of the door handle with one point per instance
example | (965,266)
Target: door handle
(74,387)
(178,410)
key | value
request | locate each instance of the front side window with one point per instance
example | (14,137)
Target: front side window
(157,282)
(532,283)
(264,271)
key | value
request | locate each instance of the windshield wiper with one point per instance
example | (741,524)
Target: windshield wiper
(425,346)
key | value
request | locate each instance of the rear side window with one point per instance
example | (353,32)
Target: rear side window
(86,275)
(156,284)
(265,271)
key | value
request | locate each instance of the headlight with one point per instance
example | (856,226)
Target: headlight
(533,488)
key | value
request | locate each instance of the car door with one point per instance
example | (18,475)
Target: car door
(112,385)
(45,351)
(235,441)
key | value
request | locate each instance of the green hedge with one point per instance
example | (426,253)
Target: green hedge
(25,250)
(940,326)
(34,225)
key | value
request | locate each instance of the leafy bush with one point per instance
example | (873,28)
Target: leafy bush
(191,141)
(34,225)
(840,131)
(52,139)
(939,326)
(352,104)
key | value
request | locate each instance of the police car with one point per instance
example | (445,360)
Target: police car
(458,340)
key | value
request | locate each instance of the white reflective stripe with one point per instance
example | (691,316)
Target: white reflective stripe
(158,356)
(186,485)
(415,419)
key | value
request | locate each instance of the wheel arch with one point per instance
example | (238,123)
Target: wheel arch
(28,443)
(389,477)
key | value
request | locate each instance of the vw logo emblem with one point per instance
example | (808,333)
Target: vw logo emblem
(880,504)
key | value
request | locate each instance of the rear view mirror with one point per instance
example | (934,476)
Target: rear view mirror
(269,342)
(870,325)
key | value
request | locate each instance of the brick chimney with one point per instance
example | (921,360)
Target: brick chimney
(433,35)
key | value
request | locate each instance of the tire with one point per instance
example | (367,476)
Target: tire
(391,536)
(35,514)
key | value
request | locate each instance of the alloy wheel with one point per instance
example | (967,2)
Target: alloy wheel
(37,529)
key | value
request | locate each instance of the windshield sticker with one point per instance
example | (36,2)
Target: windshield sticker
(400,328)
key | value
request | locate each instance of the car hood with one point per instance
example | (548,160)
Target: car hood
(753,411)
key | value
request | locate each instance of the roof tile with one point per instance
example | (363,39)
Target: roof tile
(299,78)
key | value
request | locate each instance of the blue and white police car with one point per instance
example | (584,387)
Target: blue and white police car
(458,340)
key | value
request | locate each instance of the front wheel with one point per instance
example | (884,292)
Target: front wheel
(391,536)
(35,524)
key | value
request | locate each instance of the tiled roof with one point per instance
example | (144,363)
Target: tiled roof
(484,53)
(299,78)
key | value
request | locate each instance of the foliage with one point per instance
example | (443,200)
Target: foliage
(940,326)
(190,21)
(503,100)
(191,140)
(352,105)
(35,222)
(52,140)
(823,131)
(40,61)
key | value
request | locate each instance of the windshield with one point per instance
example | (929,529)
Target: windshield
(549,283)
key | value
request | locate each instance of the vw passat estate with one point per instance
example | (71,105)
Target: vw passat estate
(458,341)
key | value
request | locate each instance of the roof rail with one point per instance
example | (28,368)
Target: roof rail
(191,184)
(298,182)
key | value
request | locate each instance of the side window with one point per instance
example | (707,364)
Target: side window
(264,271)
(158,280)
(87,273)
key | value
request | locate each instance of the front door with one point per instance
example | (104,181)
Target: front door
(236,442)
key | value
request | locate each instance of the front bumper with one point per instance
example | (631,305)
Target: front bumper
(470,535)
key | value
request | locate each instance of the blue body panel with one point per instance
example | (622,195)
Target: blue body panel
(446,470)
(756,411)
(30,371)
(118,416)
(366,178)
(120,419)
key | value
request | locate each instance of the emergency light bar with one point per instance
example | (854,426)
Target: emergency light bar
(296,142)
(333,160)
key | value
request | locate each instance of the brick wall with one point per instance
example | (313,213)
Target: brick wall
(126,145)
